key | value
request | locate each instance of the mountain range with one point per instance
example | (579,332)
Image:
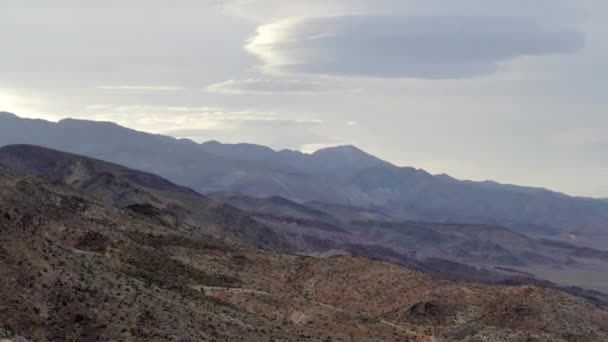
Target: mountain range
(340,176)
(472,252)
(93,251)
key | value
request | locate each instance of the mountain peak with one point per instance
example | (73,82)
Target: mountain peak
(8,115)
(88,122)
(347,153)
(351,149)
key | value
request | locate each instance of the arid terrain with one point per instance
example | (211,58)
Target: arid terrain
(472,252)
(295,171)
(76,269)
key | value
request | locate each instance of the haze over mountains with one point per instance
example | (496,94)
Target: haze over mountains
(342,175)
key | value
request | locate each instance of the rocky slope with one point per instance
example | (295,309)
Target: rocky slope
(140,191)
(460,251)
(74,269)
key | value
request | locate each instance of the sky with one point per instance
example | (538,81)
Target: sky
(513,91)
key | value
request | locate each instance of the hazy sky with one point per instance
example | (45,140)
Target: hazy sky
(481,89)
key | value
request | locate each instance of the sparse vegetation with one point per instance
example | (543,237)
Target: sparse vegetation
(103,273)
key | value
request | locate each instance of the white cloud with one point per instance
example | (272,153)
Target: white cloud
(216,123)
(167,119)
(276,86)
(140,88)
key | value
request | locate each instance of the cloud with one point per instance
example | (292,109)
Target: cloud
(140,88)
(158,119)
(264,11)
(51,70)
(216,123)
(405,46)
(185,43)
(274,86)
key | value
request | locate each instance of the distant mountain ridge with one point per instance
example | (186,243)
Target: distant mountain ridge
(340,175)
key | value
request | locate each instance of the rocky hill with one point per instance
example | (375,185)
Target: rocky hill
(140,191)
(76,269)
(481,253)
(463,251)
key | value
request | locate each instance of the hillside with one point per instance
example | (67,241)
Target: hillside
(140,191)
(460,251)
(74,269)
